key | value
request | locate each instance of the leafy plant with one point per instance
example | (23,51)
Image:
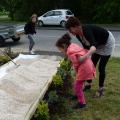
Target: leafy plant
(42,112)
(57,80)
(64,69)
(53,97)
(65,64)
(3,60)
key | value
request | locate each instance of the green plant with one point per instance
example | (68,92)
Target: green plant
(65,64)
(57,80)
(57,104)
(42,112)
(9,52)
(65,69)
(62,73)
(3,60)
(53,97)
(107,107)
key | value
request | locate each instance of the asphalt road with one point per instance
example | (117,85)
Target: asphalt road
(45,41)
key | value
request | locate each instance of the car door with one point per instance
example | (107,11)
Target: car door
(48,18)
(57,17)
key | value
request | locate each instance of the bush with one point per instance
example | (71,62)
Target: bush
(3,60)
(53,97)
(57,92)
(3,12)
(65,64)
(42,112)
(57,81)
(57,104)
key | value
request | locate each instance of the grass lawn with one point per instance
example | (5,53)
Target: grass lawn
(109,25)
(105,108)
(7,20)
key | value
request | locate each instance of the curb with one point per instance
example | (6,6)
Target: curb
(51,53)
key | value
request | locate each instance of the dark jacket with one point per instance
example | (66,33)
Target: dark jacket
(95,35)
(30,28)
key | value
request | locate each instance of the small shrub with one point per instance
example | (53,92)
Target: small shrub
(65,64)
(57,81)
(57,104)
(42,112)
(53,97)
(3,60)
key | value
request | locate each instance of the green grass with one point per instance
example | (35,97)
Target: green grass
(117,26)
(7,20)
(105,108)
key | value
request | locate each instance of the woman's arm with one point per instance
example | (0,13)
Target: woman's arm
(88,54)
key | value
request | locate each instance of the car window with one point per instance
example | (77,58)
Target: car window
(69,12)
(57,13)
(51,13)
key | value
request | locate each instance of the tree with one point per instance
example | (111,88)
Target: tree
(11,6)
(109,12)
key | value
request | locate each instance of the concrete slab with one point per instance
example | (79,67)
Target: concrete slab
(22,87)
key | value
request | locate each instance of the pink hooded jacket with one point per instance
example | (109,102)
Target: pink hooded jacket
(84,70)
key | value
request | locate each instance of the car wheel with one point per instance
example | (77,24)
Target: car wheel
(63,23)
(15,39)
(40,23)
(2,41)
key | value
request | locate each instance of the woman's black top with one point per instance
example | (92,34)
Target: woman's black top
(95,35)
(30,28)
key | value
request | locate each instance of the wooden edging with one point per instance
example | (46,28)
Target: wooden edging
(36,103)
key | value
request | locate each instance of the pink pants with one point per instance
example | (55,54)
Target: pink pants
(78,89)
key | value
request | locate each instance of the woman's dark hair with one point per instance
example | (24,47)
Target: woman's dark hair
(72,22)
(65,40)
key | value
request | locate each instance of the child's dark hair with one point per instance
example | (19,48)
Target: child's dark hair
(72,22)
(65,40)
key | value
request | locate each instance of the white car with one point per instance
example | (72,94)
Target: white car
(55,17)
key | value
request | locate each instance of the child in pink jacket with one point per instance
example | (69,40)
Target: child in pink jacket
(82,64)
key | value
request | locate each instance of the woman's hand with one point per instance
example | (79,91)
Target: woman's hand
(88,54)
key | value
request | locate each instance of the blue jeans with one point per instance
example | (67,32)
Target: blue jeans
(31,40)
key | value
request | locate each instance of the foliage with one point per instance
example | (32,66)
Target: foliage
(11,6)
(89,11)
(57,80)
(53,97)
(65,64)
(42,112)
(9,52)
(3,60)
(3,12)
(109,12)
(104,108)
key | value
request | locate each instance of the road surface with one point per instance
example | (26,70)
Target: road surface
(46,38)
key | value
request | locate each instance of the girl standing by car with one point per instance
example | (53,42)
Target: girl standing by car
(84,68)
(30,31)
